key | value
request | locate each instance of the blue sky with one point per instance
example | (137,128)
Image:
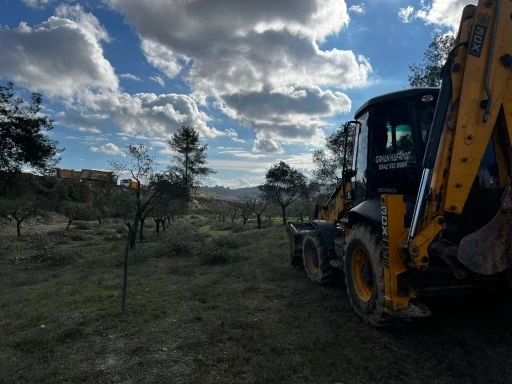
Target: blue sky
(262,81)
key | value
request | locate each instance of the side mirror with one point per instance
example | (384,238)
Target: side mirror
(348,174)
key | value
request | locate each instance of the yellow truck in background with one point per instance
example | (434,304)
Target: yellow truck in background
(84,174)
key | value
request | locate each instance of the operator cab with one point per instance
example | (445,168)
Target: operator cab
(390,143)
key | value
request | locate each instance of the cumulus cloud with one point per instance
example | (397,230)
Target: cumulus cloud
(260,62)
(359,9)
(63,57)
(184,21)
(265,144)
(443,12)
(156,116)
(159,56)
(130,76)
(406,14)
(60,56)
(288,117)
(109,149)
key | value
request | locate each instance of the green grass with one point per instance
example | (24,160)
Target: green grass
(256,320)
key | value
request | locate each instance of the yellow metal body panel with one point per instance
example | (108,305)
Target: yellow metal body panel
(491,38)
(393,231)
(429,227)
(342,205)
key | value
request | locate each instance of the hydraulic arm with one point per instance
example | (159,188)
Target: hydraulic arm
(474,108)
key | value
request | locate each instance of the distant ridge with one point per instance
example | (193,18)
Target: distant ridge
(239,193)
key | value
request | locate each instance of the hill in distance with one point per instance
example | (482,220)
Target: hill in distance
(239,193)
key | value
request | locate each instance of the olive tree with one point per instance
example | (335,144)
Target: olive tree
(283,185)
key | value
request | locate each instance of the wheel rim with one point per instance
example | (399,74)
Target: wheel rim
(312,260)
(362,276)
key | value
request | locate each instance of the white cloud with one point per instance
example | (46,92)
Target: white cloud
(167,152)
(109,149)
(90,130)
(182,21)
(161,57)
(80,121)
(159,80)
(257,169)
(265,144)
(149,114)
(235,182)
(260,62)
(233,135)
(406,14)
(59,57)
(37,3)
(88,139)
(130,76)
(445,13)
(359,9)
(243,154)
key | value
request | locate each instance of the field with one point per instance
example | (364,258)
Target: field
(235,313)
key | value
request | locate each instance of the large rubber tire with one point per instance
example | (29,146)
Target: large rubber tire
(364,275)
(316,256)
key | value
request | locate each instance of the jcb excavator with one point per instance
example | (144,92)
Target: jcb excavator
(426,206)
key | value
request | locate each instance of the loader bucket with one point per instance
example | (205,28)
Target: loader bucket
(297,232)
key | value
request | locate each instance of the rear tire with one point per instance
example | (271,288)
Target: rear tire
(316,257)
(364,275)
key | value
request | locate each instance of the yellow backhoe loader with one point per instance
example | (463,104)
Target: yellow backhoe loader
(426,206)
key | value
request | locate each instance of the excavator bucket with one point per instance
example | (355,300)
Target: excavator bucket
(488,251)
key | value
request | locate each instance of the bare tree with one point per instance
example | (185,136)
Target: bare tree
(142,169)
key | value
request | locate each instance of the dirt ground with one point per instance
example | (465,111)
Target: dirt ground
(54,223)
(255,321)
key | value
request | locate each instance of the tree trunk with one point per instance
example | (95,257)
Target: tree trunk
(18,227)
(99,220)
(284,213)
(163,225)
(69,223)
(245,220)
(141,230)
(125,271)
(157,226)
(258,219)
(133,232)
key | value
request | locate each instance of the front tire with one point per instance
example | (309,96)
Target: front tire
(316,257)
(364,274)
